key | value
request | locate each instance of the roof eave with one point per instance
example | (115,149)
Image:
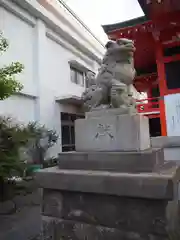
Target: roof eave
(144,6)
(130,23)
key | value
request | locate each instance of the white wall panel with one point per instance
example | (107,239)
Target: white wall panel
(18,107)
(172,106)
(20,35)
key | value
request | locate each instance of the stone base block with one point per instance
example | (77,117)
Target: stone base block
(125,214)
(132,162)
(79,204)
(112,133)
(157,185)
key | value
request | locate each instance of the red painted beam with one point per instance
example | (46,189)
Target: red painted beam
(156,8)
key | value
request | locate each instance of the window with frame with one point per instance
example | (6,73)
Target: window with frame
(68,130)
(77,76)
(171,51)
(88,78)
(172,70)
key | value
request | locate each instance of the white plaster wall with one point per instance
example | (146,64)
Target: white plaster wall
(56,82)
(71,23)
(45,55)
(20,35)
(57,70)
(67,22)
(18,107)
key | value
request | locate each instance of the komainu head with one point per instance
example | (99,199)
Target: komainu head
(121,50)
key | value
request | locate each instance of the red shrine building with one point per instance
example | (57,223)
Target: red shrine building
(157,62)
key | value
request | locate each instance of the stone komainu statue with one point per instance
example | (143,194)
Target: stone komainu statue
(111,87)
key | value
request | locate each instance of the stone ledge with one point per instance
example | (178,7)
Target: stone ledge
(145,185)
(165,142)
(131,162)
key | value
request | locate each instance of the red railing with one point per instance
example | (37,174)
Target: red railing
(148,105)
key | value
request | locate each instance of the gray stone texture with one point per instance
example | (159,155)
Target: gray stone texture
(25,224)
(112,133)
(84,204)
(20,201)
(20,217)
(165,142)
(127,214)
(132,162)
(153,185)
(78,215)
(92,216)
(64,229)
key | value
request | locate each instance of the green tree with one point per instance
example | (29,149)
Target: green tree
(12,137)
(8,84)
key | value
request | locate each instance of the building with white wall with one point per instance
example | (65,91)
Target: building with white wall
(56,49)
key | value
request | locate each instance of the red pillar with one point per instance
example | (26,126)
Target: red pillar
(162,86)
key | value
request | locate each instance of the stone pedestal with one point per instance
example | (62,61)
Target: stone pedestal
(86,204)
(111,195)
(112,132)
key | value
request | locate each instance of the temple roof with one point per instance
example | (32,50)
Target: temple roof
(161,23)
(130,23)
(151,9)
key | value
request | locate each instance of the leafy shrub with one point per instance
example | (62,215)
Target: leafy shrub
(8,84)
(12,137)
(40,140)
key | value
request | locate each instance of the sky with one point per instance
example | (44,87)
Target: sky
(95,13)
